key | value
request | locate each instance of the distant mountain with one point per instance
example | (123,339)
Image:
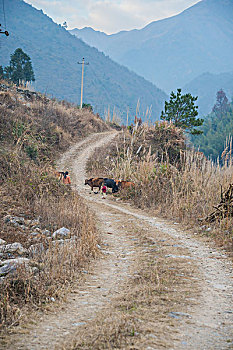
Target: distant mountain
(90,36)
(206,87)
(173,51)
(55,54)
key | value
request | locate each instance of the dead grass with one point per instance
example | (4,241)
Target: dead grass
(33,132)
(140,317)
(175,182)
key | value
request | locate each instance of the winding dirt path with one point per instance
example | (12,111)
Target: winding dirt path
(205,323)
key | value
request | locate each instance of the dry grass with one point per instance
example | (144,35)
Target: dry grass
(177,183)
(56,266)
(140,316)
(33,132)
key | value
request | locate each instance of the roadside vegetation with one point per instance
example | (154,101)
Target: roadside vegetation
(34,131)
(170,178)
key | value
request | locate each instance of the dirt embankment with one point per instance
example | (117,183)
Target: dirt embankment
(155,286)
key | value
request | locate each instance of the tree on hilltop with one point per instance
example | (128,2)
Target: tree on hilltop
(181,110)
(20,68)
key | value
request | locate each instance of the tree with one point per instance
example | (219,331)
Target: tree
(221,106)
(1,73)
(65,25)
(215,133)
(20,68)
(181,110)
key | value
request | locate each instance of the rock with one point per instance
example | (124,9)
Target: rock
(61,233)
(35,222)
(6,218)
(179,314)
(46,233)
(2,241)
(15,248)
(34,233)
(7,268)
(28,222)
(10,265)
(17,221)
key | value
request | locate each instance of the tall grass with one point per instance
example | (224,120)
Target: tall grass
(175,181)
(33,132)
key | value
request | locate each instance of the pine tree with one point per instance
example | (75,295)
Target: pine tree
(221,106)
(20,68)
(181,110)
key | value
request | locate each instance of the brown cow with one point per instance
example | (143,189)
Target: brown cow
(94,182)
(125,184)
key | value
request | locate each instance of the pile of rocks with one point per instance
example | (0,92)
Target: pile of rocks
(25,93)
(13,255)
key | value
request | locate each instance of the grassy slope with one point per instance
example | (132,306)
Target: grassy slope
(33,132)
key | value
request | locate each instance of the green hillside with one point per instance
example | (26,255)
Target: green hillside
(55,52)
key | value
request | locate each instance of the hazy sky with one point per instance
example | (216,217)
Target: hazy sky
(110,16)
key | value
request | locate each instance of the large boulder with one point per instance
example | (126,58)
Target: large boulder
(61,233)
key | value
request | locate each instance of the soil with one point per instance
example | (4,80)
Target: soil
(204,318)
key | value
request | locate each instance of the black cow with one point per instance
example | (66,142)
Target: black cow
(112,184)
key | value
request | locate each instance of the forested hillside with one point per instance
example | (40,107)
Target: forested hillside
(55,54)
(206,86)
(216,140)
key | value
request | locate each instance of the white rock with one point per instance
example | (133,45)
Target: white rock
(10,265)
(13,248)
(47,233)
(16,261)
(34,233)
(2,241)
(61,233)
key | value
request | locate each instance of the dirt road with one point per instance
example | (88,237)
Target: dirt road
(203,317)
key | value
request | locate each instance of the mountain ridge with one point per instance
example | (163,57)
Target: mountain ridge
(173,51)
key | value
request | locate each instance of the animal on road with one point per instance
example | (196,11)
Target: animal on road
(111,184)
(94,182)
(125,184)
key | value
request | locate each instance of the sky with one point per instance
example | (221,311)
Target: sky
(110,16)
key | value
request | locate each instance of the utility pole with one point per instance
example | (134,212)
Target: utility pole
(82,63)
